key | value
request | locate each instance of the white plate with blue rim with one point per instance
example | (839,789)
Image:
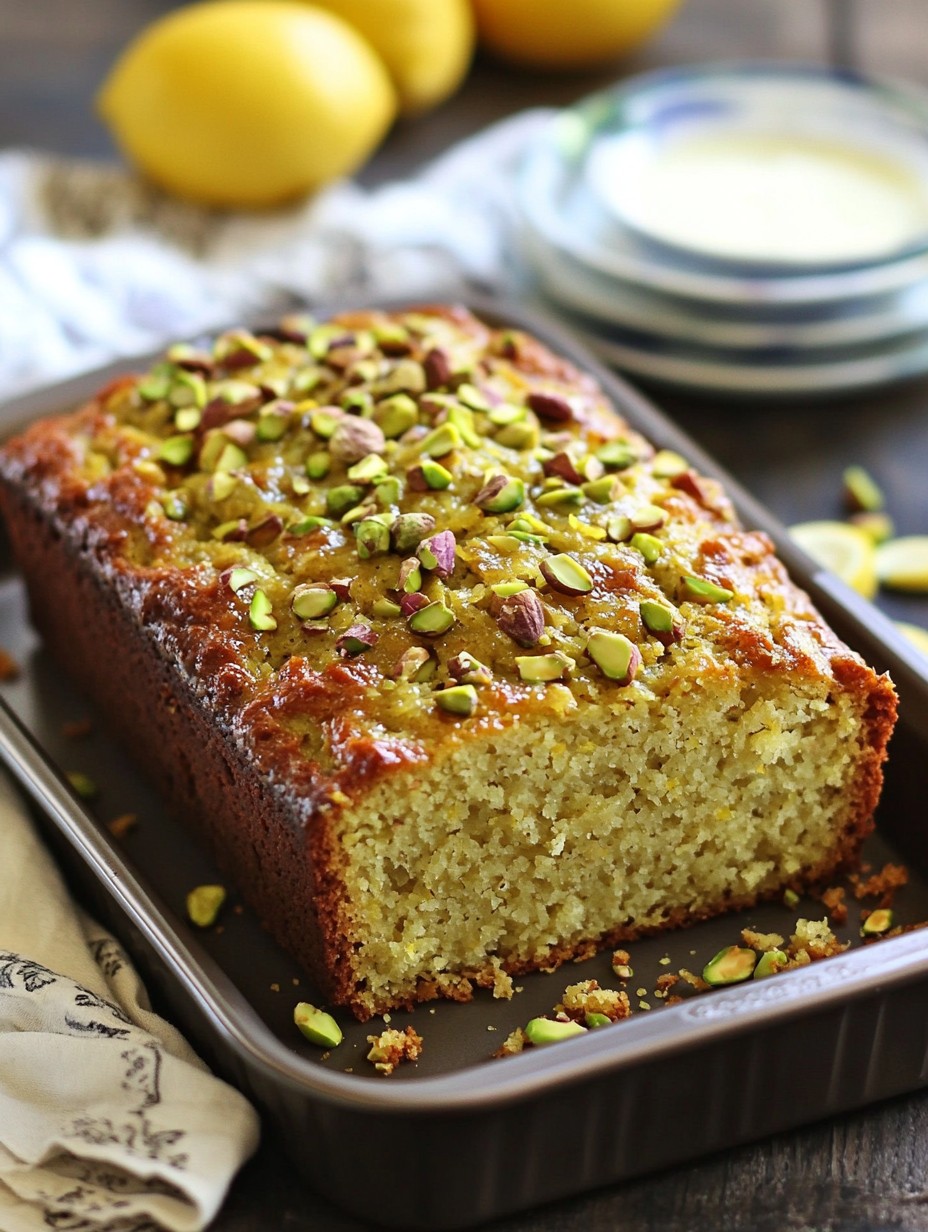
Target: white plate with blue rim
(571,201)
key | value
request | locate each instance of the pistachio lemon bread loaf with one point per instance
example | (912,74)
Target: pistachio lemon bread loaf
(460,675)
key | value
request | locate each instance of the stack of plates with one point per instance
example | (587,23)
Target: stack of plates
(744,229)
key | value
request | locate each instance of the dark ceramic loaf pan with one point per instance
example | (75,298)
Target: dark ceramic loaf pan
(459,1138)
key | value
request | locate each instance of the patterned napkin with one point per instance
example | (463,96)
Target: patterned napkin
(107,1118)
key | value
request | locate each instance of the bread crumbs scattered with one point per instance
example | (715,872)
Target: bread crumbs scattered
(814,939)
(275,988)
(665,961)
(761,941)
(644,1005)
(883,883)
(122,824)
(589,998)
(9,668)
(620,964)
(833,898)
(391,1047)
(694,981)
(514,1043)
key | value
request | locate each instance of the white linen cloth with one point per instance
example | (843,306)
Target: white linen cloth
(107,1119)
(94,265)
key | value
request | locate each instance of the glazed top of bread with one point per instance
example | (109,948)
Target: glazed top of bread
(332,526)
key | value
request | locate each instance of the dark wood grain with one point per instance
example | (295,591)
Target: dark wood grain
(866,1172)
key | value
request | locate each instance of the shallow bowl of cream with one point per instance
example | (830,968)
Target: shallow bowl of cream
(775,169)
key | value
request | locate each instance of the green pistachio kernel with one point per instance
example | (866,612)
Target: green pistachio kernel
(273,422)
(462,418)
(222,485)
(386,609)
(410,579)
(649,547)
(471,396)
(204,902)
(409,529)
(308,524)
(730,966)
(340,499)
(542,1031)
(388,492)
(667,464)
(396,415)
(300,486)
(310,602)
(528,521)
(372,538)
(174,506)
(323,422)
(318,464)
(317,1026)
(187,389)
(176,450)
(432,620)
(594,1020)
(790,899)
(524,537)
(510,496)
(541,669)
(358,401)
(261,614)
(156,384)
(505,414)
(505,590)
(459,699)
(240,578)
(322,338)
(188,418)
(615,656)
(565,574)
(231,458)
(861,491)
(619,528)
(616,455)
(520,435)
(559,497)
(440,441)
(878,525)
(769,963)
(390,335)
(370,469)
(82,784)
(435,475)
(701,591)
(224,530)
(877,922)
(602,491)
(659,618)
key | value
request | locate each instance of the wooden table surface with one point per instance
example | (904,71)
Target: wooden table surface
(865,1172)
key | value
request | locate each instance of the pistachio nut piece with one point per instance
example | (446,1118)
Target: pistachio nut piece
(877,922)
(698,590)
(459,699)
(204,902)
(542,1031)
(317,1026)
(770,963)
(730,966)
(565,574)
(261,614)
(861,491)
(616,657)
(309,602)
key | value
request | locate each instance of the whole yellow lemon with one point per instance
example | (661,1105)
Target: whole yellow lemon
(426,44)
(567,34)
(247,103)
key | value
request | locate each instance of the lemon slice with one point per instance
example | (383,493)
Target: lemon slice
(916,635)
(843,549)
(902,564)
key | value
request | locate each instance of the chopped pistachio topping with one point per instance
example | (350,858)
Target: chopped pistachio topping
(231,458)
(222,485)
(542,1031)
(174,506)
(307,525)
(543,668)
(342,497)
(372,537)
(409,529)
(386,609)
(560,497)
(318,464)
(459,699)
(188,418)
(592,1019)
(312,602)
(396,415)
(355,640)
(701,591)
(730,966)
(501,494)
(82,784)
(388,491)
(435,475)
(662,620)
(317,1026)
(506,589)
(261,613)
(370,469)
(667,463)
(176,450)
(616,455)
(602,491)
(240,578)
(440,441)
(565,574)
(649,547)
(204,902)
(616,657)
(432,620)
